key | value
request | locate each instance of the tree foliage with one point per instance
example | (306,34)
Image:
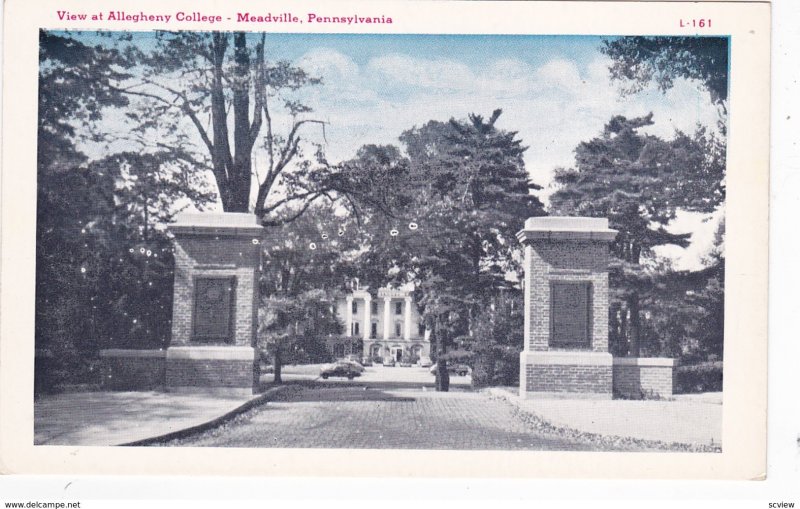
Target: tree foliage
(75,86)
(497,340)
(103,265)
(687,320)
(223,88)
(464,187)
(638,61)
(639,182)
(688,306)
(305,266)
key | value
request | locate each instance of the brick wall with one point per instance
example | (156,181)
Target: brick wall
(132,370)
(209,373)
(635,381)
(199,256)
(574,260)
(568,378)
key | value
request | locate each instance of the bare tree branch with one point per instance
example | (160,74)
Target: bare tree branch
(293,216)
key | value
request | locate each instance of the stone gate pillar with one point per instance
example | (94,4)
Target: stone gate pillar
(215,302)
(566,308)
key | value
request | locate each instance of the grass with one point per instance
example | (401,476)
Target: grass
(603,442)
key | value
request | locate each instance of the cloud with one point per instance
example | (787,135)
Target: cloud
(561,75)
(553,107)
(329,63)
(424,73)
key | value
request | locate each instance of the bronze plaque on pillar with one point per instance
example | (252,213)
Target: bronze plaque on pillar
(213,309)
(570,314)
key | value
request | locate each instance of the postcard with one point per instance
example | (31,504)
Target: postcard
(399,238)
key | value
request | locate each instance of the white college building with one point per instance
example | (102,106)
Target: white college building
(388,323)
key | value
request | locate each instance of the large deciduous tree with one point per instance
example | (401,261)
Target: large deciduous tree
(222,86)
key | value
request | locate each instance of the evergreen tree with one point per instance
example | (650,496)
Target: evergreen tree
(638,182)
(465,191)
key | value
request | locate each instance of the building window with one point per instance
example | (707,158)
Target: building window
(398,308)
(355,329)
(398,329)
(421,329)
(355,307)
(570,314)
(374,308)
(374,332)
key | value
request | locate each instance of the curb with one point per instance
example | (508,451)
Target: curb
(205,426)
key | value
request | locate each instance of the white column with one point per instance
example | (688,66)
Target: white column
(348,313)
(367,313)
(387,317)
(407,325)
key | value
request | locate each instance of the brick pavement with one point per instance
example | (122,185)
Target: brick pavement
(335,416)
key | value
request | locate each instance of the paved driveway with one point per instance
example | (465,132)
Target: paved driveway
(411,377)
(357,416)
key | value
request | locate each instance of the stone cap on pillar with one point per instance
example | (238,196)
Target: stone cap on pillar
(566,228)
(229,224)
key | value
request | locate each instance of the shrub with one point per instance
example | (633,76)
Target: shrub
(702,377)
(506,372)
(305,349)
(483,369)
(497,367)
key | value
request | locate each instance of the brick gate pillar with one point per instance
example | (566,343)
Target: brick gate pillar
(566,308)
(215,303)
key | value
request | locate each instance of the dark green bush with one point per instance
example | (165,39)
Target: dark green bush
(702,377)
(506,370)
(305,350)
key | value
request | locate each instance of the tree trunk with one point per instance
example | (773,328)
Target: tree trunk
(625,345)
(276,365)
(442,376)
(240,174)
(220,153)
(615,343)
(232,170)
(635,328)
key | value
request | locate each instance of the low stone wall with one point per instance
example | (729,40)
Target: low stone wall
(565,374)
(203,368)
(133,370)
(644,377)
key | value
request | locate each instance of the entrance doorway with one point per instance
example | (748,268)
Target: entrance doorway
(397,353)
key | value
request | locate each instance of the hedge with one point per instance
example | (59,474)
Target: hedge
(702,377)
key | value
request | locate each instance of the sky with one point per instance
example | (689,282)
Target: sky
(555,91)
